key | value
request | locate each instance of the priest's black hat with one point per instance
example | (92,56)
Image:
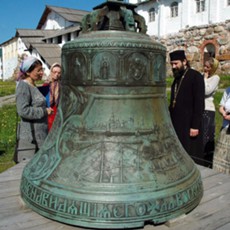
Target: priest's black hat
(177,55)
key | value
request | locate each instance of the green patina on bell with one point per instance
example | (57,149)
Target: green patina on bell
(112,159)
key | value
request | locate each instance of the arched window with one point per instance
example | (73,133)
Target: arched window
(174,9)
(152,15)
(200,6)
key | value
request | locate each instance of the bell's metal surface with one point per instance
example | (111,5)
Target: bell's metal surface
(112,159)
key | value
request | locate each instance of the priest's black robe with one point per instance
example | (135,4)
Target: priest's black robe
(187,112)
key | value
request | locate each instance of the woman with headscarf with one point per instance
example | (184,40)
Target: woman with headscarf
(211,81)
(31,107)
(54,91)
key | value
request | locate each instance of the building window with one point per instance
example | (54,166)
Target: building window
(59,39)
(69,37)
(152,15)
(200,6)
(174,9)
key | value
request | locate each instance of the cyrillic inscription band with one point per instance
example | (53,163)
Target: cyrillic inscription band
(107,211)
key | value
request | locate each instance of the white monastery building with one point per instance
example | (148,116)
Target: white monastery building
(165,17)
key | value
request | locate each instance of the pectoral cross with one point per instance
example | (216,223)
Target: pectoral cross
(174,103)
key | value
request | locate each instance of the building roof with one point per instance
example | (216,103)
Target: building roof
(33,36)
(51,53)
(8,41)
(60,32)
(70,15)
(33,39)
(33,33)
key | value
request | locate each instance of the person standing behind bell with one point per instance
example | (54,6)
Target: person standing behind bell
(187,105)
(211,81)
(31,107)
(225,110)
(221,159)
(54,91)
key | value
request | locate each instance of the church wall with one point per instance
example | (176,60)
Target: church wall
(200,41)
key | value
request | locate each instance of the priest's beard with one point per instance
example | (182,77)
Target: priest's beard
(178,72)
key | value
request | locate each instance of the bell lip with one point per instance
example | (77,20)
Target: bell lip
(119,224)
(113,223)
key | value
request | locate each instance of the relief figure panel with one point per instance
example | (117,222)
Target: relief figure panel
(104,67)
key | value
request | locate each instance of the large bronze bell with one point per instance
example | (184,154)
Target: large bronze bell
(112,159)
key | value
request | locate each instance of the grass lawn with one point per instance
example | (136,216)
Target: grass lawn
(7,136)
(7,88)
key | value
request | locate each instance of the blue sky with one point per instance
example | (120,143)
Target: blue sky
(25,14)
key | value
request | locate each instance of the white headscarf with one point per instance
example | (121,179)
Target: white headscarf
(27,63)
